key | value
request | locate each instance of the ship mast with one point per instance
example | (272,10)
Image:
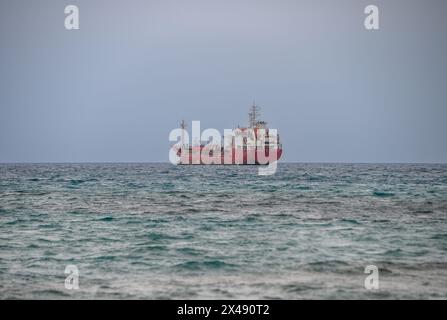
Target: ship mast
(183,127)
(253,115)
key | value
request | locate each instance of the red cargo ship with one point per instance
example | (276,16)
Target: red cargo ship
(255,144)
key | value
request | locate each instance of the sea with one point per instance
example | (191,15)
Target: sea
(159,231)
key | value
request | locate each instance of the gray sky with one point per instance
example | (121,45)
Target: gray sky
(113,90)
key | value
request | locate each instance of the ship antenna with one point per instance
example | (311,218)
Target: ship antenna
(253,115)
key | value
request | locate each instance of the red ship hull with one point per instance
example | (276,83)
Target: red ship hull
(235,157)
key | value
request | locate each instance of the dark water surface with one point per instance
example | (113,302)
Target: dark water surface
(164,231)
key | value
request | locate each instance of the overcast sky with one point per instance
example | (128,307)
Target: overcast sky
(113,90)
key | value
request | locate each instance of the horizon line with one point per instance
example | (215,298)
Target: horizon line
(167,162)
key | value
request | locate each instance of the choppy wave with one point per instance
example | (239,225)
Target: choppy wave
(161,231)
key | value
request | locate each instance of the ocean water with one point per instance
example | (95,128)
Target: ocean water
(158,231)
